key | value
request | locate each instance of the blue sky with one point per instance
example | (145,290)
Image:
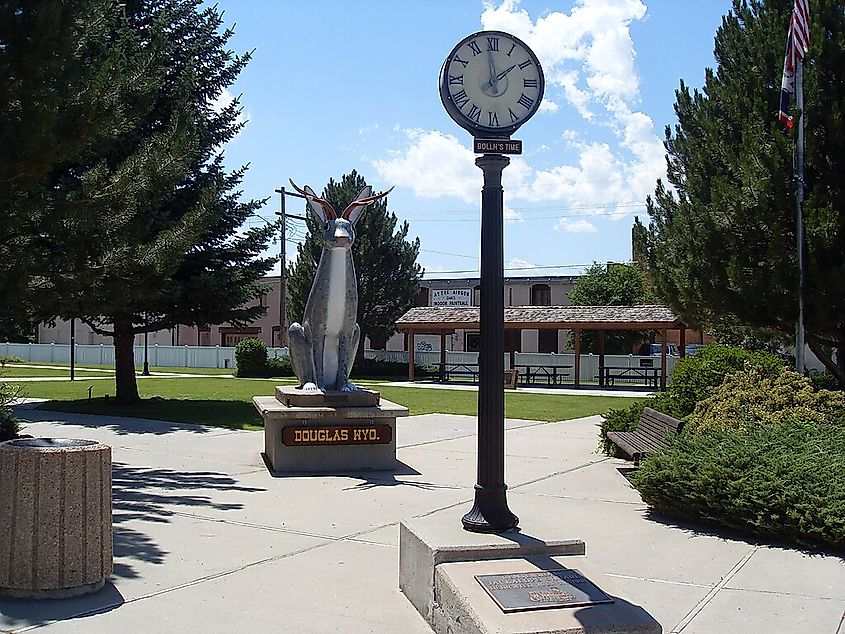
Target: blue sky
(340,85)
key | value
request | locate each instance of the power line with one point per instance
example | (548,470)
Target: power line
(517,268)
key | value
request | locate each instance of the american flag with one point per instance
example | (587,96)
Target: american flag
(797,44)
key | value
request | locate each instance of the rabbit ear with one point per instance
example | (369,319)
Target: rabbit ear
(353,211)
(319,207)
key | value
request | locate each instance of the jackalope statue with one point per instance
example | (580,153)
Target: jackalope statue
(323,346)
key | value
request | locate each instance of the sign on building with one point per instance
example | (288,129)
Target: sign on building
(451,297)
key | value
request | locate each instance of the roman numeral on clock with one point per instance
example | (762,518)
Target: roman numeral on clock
(529,83)
(513,115)
(525,101)
(474,113)
(476,50)
(459,60)
(457,79)
(492,119)
(525,64)
(492,43)
(461,98)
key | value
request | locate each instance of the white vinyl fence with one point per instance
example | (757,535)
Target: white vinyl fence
(589,362)
(158,356)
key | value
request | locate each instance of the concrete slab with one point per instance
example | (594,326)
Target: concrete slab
(330,589)
(667,601)
(601,480)
(792,572)
(661,552)
(746,612)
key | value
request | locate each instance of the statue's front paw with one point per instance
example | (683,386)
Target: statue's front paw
(310,387)
(349,387)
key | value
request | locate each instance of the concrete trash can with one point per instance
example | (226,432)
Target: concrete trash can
(55,517)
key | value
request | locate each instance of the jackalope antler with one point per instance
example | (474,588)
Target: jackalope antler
(325,204)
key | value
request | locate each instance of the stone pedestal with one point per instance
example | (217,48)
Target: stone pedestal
(332,432)
(55,517)
(439,562)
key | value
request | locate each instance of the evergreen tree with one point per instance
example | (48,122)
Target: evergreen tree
(721,244)
(385,263)
(144,224)
(65,87)
(610,285)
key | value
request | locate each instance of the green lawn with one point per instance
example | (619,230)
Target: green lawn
(226,402)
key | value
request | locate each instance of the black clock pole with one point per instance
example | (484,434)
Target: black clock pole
(490,512)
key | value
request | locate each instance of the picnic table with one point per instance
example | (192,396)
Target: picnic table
(609,373)
(533,374)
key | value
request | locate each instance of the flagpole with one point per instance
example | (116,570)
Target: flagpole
(799,199)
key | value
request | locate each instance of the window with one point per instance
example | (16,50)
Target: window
(547,341)
(541,295)
(472,342)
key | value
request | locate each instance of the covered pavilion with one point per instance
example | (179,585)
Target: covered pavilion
(443,321)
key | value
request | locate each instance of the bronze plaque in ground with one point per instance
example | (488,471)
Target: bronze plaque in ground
(322,435)
(544,589)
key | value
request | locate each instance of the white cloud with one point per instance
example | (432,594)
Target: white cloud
(575,226)
(519,263)
(511,215)
(433,164)
(548,105)
(223,100)
(588,59)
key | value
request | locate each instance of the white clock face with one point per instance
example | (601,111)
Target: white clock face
(491,83)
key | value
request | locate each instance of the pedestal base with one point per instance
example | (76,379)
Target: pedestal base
(439,562)
(328,439)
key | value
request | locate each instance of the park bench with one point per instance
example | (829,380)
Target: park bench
(654,431)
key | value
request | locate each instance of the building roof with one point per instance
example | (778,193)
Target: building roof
(646,317)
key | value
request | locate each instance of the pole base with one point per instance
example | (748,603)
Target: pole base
(490,512)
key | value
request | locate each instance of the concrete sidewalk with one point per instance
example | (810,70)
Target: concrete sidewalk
(206,540)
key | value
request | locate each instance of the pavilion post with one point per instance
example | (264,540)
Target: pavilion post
(442,357)
(683,340)
(577,357)
(411,348)
(601,357)
(663,359)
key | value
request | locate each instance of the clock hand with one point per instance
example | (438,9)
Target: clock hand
(505,72)
(493,79)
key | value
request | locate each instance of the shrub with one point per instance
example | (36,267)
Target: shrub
(9,424)
(619,420)
(784,480)
(824,381)
(278,366)
(251,357)
(693,378)
(752,396)
(5,360)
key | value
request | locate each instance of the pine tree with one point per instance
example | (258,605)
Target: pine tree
(144,224)
(385,263)
(64,90)
(721,245)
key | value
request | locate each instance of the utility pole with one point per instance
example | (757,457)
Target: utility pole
(283,333)
(282,272)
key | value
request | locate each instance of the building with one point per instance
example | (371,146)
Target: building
(552,290)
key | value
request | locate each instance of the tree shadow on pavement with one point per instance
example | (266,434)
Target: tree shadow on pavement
(141,496)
